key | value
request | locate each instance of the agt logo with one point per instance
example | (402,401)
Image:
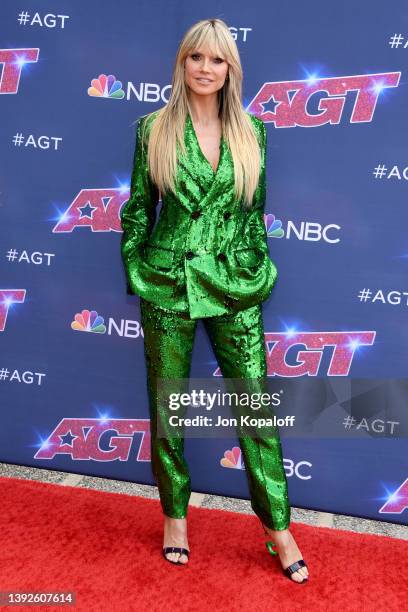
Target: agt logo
(310,347)
(97,209)
(290,101)
(101,439)
(306,230)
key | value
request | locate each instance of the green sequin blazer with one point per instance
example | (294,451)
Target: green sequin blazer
(206,254)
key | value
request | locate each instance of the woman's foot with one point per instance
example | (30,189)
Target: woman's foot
(288,552)
(175,534)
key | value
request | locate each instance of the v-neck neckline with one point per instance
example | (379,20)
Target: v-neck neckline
(221,148)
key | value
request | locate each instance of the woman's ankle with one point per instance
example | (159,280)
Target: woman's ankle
(174,518)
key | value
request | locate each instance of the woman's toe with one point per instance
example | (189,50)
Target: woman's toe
(296,576)
(299,576)
(303,571)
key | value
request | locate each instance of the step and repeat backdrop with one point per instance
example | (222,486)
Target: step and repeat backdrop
(329,81)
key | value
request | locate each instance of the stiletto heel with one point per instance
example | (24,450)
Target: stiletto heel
(291,569)
(269,544)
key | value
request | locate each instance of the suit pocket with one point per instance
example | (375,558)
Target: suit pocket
(159,257)
(247,257)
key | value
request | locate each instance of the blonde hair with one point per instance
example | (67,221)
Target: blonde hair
(167,128)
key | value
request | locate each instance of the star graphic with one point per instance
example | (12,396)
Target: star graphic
(86,211)
(269,106)
(68,438)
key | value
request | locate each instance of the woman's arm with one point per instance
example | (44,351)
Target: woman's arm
(138,214)
(256,213)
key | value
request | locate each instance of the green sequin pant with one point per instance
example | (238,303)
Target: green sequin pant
(238,343)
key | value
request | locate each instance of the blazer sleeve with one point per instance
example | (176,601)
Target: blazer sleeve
(256,213)
(138,214)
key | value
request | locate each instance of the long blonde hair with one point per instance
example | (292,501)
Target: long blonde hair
(167,128)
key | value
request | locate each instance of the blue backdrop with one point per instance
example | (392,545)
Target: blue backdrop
(328,80)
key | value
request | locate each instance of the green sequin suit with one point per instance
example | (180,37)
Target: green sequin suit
(206,258)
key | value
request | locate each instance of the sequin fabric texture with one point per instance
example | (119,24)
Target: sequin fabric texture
(206,255)
(239,346)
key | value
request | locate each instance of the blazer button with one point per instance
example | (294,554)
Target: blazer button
(195,214)
(189,255)
(227,215)
(221,256)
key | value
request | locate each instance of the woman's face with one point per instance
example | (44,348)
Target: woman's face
(204,72)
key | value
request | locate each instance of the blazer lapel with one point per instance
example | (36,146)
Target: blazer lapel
(197,166)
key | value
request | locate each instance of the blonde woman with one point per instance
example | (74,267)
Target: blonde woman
(206,258)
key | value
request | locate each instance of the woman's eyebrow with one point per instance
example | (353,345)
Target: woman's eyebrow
(211,54)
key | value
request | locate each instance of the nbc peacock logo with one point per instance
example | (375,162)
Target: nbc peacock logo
(233,459)
(273,226)
(106,87)
(89,321)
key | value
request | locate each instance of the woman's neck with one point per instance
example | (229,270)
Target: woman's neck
(204,109)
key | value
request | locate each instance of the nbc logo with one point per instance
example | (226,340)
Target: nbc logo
(273,226)
(106,87)
(233,459)
(89,321)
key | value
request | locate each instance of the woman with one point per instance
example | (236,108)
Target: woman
(207,258)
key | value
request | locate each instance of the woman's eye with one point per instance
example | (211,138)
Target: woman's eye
(218,60)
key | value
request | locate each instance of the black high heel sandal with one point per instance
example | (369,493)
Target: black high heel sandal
(175,549)
(291,569)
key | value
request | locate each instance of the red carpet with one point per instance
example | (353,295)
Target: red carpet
(107,548)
